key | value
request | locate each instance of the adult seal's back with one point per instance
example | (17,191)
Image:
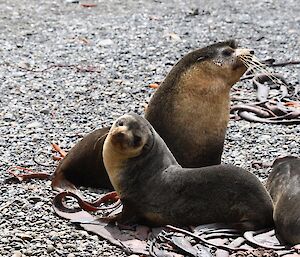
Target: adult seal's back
(190,111)
(156,190)
(283,185)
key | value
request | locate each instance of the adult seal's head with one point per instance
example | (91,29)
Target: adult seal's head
(190,110)
(156,190)
(283,185)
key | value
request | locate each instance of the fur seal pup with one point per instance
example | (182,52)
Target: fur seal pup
(283,185)
(190,111)
(157,191)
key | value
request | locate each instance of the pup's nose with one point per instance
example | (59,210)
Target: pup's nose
(120,135)
(251,51)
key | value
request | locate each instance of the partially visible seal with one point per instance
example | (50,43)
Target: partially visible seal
(83,165)
(155,189)
(190,111)
(283,185)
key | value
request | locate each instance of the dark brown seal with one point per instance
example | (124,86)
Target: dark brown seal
(283,185)
(190,111)
(155,189)
(83,165)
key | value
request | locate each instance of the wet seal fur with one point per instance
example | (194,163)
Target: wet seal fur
(156,190)
(190,111)
(283,185)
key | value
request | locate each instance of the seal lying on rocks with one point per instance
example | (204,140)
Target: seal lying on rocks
(190,111)
(283,185)
(156,190)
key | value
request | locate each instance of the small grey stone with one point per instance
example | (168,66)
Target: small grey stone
(24,65)
(18,74)
(53,236)
(80,90)
(17,254)
(70,246)
(9,117)
(45,111)
(35,124)
(105,42)
(25,236)
(28,252)
(4,240)
(50,248)
(94,237)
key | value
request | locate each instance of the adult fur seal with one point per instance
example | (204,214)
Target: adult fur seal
(156,190)
(283,185)
(190,111)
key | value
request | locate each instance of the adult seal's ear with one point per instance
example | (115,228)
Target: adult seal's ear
(190,109)
(283,185)
(156,190)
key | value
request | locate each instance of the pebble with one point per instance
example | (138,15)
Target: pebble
(50,248)
(9,117)
(17,254)
(105,42)
(35,124)
(45,111)
(4,240)
(25,236)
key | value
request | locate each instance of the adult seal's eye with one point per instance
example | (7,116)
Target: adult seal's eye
(227,52)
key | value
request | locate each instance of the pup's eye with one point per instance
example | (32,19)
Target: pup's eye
(227,52)
(120,123)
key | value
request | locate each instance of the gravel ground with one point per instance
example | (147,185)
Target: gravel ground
(126,45)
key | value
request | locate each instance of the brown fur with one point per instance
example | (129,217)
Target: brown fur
(83,165)
(190,110)
(284,187)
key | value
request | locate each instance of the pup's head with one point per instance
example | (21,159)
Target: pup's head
(130,135)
